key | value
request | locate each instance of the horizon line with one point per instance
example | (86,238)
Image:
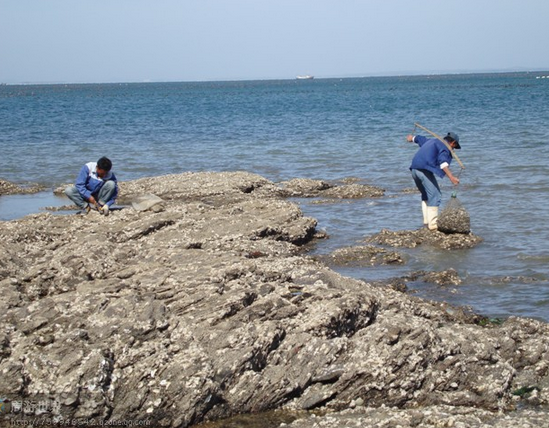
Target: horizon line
(348,76)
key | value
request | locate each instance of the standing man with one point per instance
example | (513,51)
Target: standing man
(432,158)
(95,188)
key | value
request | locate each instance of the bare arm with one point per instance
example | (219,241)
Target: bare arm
(451,176)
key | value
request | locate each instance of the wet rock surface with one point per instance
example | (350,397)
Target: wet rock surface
(210,308)
(413,238)
(445,277)
(363,255)
(431,417)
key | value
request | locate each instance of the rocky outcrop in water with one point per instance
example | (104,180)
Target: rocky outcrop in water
(348,189)
(363,255)
(8,188)
(435,238)
(209,308)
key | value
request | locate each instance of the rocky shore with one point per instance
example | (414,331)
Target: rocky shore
(9,188)
(206,306)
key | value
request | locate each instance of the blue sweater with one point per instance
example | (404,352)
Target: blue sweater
(88,183)
(433,155)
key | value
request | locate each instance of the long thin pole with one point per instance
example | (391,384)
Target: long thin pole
(444,142)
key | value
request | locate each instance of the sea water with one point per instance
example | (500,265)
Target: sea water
(326,129)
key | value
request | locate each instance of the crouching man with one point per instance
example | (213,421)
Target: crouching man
(95,188)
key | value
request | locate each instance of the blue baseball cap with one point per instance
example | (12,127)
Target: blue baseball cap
(455,138)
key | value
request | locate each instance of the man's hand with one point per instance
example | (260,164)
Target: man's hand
(454,180)
(452,177)
(410,138)
(92,200)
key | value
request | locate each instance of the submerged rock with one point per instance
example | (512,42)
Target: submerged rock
(210,309)
(448,277)
(445,277)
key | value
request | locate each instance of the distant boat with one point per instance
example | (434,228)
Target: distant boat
(305,77)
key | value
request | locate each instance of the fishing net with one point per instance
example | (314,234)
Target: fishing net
(454,218)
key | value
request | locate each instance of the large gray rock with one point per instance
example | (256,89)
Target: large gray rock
(209,309)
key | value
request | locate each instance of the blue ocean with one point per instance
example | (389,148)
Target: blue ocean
(326,129)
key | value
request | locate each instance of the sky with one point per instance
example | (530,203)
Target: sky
(96,41)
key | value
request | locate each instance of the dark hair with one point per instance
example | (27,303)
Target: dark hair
(449,139)
(104,164)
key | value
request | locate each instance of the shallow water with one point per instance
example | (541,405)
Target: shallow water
(325,129)
(16,206)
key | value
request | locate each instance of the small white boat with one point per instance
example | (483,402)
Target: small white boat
(305,77)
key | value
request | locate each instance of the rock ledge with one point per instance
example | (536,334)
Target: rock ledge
(209,308)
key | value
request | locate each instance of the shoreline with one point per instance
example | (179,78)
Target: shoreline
(208,306)
(360,260)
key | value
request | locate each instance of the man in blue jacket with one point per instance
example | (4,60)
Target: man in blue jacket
(432,159)
(95,188)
